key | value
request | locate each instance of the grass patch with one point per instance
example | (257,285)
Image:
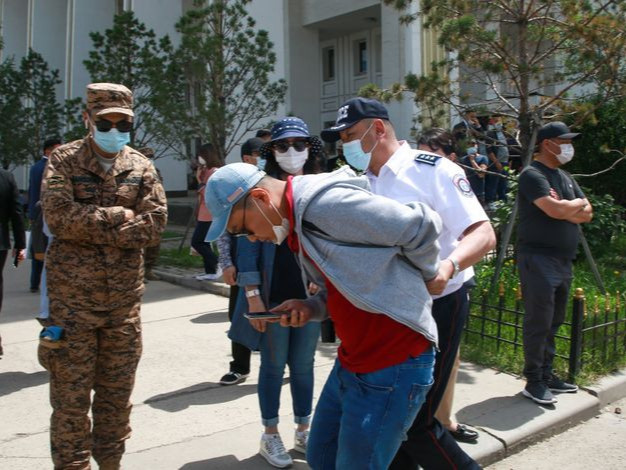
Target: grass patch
(181,259)
(604,350)
(170,234)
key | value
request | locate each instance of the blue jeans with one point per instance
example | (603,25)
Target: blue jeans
(296,347)
(429,444)
(361,419)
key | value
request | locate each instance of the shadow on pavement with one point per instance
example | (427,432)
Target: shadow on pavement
(15,381)
(252,463)
(156,291)
(482,414)
(205,393)
(212,317)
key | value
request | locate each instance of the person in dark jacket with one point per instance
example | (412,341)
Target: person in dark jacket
(39,241)
(11,218)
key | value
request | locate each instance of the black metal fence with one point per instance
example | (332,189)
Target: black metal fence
(593,335)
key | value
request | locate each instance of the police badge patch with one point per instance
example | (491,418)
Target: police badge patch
(463,185)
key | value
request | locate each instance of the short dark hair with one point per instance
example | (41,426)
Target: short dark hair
(51,143)
(263,133)
(438,138)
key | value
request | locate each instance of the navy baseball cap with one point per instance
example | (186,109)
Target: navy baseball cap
(556,129)
(353,111)
(224,189)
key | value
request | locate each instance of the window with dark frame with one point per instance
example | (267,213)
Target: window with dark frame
(328,54)
(360,52)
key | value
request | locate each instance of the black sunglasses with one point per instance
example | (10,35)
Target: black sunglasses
(105,126)
(282,145)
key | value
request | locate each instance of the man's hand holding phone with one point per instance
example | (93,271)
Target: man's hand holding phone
(295,312)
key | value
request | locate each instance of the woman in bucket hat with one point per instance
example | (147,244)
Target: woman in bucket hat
(269,275)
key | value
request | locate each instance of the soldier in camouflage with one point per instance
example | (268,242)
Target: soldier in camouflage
(151,253)
(103,203)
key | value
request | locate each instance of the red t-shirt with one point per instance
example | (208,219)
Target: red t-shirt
(369,341)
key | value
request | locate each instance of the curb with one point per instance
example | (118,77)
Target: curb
(217,288)
(581,407)
(610,388)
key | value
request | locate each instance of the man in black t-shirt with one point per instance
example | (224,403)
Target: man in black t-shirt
(551,205)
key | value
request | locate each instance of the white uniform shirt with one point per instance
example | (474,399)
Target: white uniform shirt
(442,186)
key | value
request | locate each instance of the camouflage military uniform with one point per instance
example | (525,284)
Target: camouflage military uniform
(151,253)
(95,284)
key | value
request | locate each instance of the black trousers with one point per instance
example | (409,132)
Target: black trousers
(545,283)
(205,249)
(428,443)
(3,259)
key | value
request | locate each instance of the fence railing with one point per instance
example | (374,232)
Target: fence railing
(593,334)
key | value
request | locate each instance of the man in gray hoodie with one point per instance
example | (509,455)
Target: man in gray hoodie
(371,257)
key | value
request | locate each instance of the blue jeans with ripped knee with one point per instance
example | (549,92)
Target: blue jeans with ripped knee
(361,419)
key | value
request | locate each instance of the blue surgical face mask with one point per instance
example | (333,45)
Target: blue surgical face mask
(472,150)
(260,163)
(112,141)
(354,154)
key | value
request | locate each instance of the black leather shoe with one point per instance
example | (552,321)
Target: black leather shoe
(464,434)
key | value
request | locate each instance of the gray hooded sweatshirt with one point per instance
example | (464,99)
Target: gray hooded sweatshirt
(377,252)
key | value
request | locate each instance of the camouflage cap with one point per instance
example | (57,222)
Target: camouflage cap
(106,98)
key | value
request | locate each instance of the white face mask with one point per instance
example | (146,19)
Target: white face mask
(291,161)
(567,153)
(280,231)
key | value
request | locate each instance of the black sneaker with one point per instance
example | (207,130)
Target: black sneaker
(539,393)
(559,386)
(233,378)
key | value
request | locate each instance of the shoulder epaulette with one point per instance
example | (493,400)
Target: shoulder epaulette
(427,158)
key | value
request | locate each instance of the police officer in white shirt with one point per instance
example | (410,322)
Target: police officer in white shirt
(406,175)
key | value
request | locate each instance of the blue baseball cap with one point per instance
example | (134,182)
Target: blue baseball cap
(224,189)
(353,111)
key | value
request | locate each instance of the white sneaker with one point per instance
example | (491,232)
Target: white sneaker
(209,277)
(300,441)
(273,450)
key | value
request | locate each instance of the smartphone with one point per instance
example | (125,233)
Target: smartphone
(265,315)
(16,260)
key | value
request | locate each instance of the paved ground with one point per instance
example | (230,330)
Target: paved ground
(184,420)
(597,443)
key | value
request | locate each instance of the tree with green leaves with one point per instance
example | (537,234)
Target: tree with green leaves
(29,109)
(530,59)
(228,64)
(131,54)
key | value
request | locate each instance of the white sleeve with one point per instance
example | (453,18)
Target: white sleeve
(454,199)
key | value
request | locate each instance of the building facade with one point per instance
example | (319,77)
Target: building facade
(326,51)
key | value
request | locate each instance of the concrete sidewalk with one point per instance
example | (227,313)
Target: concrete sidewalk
(488,400)
(183,419)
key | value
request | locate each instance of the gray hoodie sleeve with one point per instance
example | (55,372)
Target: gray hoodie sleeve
(357,217)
